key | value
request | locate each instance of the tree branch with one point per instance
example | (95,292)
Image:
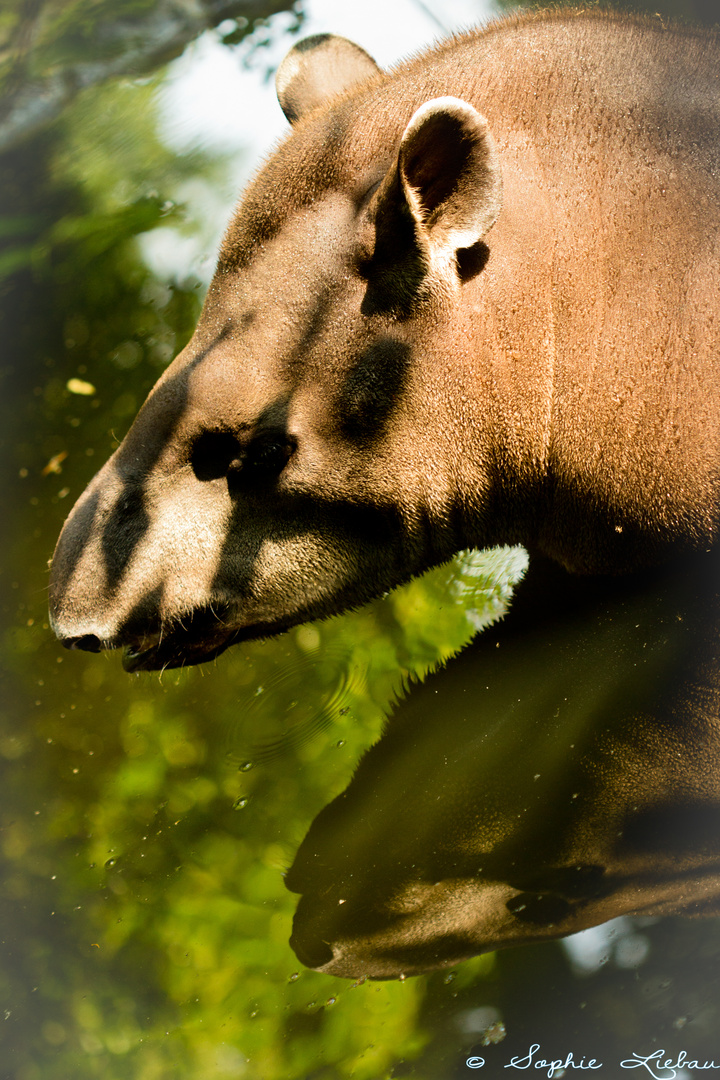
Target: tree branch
(121,45)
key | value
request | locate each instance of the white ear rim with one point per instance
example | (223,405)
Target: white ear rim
(466,221)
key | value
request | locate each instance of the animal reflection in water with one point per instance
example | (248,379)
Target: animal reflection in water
(468,302)
(556,774)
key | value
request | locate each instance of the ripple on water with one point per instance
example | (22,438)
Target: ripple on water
(305,696)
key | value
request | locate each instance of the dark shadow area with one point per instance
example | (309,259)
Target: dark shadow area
(372,390)
(128,521)
(398,267)
(560,772)
(666,1002)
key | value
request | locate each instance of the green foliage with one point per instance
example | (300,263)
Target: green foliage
(160,817)
(36,38)
(146,822)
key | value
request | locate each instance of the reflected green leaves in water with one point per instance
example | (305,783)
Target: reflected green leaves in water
(147,821)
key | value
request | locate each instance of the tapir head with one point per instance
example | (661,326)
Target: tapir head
(301,454)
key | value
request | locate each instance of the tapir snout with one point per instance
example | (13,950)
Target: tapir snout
(242,501)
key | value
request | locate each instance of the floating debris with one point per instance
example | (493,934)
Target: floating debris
(80,386)
(54,465)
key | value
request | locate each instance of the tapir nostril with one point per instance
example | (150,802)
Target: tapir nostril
(88,643)
(212,454)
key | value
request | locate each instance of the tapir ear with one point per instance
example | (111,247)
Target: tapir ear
(450,173)
(317,68)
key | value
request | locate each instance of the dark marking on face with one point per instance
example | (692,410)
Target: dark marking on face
(373,389)
(213,453)
(398,266)
(126,524)
(471,261)
(128,521)
(250,455)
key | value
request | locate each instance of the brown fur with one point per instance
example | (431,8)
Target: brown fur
(553,383)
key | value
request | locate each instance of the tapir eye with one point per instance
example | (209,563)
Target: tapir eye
(218,454)
(266,458)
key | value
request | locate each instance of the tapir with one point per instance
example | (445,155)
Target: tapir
(470,301)
(557,773)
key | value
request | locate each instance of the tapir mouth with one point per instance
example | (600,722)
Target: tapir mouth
(174,650)
(198,639)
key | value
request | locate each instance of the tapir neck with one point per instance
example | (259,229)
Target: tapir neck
(597,397)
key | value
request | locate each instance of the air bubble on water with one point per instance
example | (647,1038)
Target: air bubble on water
(295,975)
(246,766)
(110,862)
(449,978)
(331,1001)
(339,743)
(241,802)
(495,1034)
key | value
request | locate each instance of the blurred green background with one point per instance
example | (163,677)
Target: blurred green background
(146,820)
